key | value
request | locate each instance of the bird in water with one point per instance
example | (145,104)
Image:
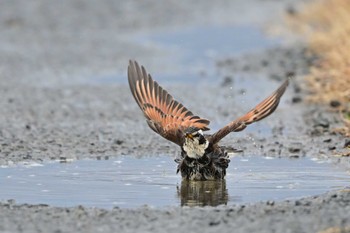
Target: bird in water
(201,156)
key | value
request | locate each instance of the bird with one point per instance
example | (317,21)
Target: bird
(201,158)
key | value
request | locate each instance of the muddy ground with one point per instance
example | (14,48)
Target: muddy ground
(50,109)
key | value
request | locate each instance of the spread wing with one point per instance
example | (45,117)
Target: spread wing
(262,110)
(165,115)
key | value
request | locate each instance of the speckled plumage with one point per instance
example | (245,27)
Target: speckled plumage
(211,166)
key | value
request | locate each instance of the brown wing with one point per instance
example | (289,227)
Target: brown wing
(261,111)
(165,115)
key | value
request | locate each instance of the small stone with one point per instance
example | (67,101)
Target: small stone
(298,203)
(335,103)
(327,140)
(322,123)
(28,156)
(296,99)
(118,142)
(294,149)
(271,203)
(214,223)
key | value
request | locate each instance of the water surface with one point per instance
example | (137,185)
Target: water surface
(192,53)
(129,182)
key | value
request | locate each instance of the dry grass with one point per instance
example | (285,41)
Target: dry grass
(326,24)
(336,230)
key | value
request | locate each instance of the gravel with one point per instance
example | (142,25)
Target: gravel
(50,109)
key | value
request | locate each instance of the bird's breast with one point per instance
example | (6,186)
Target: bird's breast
(194,149)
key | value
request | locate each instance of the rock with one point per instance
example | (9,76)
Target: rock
(335,103)
(296,99)
(322,123)
(294,149)
(118,142)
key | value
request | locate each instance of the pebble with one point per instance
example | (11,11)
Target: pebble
(335,104)
(296,99)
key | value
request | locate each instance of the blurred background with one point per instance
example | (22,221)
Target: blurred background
(79,42)
(63,64)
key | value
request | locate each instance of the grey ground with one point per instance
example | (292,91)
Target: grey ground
(47,111)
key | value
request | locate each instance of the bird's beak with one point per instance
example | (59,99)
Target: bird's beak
(188,135)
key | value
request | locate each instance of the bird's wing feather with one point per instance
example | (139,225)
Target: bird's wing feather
(262,110)
(165,115)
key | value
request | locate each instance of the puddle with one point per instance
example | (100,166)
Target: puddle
(195,50)
(129,182)
(192,52)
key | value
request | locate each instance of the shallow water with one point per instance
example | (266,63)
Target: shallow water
(193,52)
(196,50)
(129,182)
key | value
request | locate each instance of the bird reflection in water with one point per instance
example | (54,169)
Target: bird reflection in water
(203,193)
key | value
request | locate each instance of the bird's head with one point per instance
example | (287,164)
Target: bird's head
(193,133)
(195,142)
